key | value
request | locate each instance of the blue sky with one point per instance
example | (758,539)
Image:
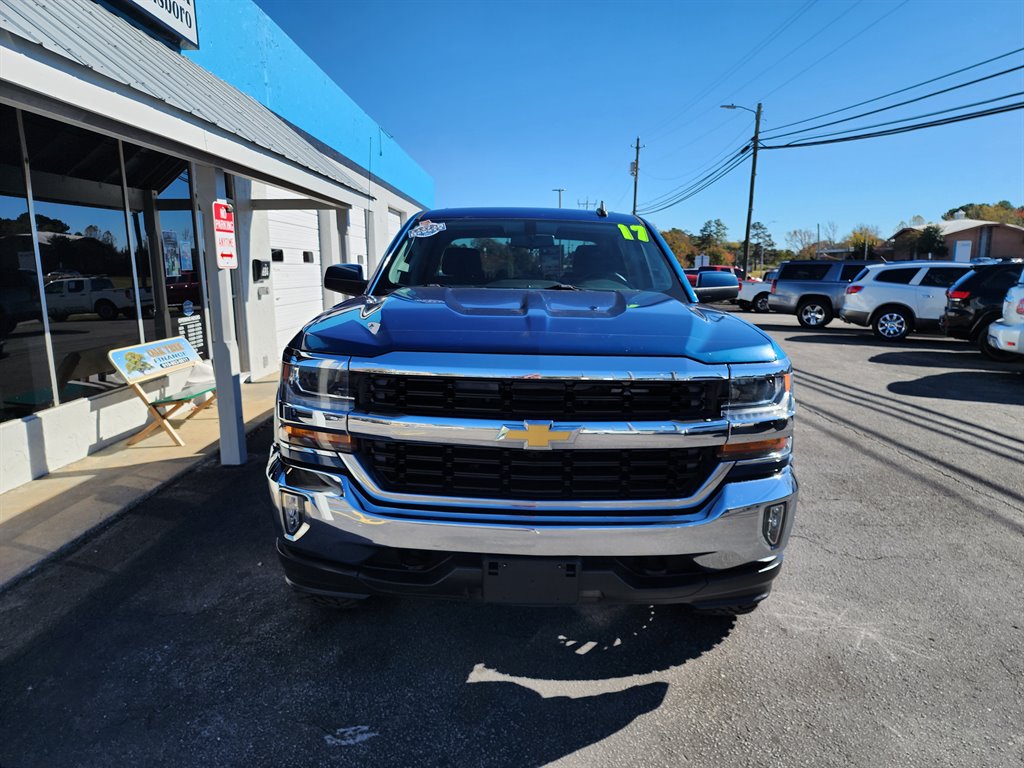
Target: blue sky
(503,101)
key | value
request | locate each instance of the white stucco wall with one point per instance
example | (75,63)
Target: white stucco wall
(48,440)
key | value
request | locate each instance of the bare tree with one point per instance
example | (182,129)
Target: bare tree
(831,232)
(801,241)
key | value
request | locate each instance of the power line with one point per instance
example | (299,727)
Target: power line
(904,129)
(697,188)
(684,188)
(694,173)
(768,40)
(898,104)
(836,49)
(725,172)
(785,56)
(901,90)
(917,117)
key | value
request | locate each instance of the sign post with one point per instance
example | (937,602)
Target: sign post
(224,227)
(218,242)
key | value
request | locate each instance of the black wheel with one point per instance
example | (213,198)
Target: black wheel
(7,325)
(744,305)
(892,323)
(814,313)
(58,317)
(106,309)
(993,353)
(761,303)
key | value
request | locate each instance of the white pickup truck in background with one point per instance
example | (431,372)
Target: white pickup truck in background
(754,293)
(87,294)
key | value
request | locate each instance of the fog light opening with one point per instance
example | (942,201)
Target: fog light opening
(293,512)
(774,519)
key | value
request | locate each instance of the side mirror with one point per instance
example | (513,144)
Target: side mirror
(345,278)
(716,286)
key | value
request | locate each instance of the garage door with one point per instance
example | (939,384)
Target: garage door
(294,270)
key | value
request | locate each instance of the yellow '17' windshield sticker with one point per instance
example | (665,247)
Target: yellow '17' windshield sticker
(639,229)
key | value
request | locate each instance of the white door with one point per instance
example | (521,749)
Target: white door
(294,270)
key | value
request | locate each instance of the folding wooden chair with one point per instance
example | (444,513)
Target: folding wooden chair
(156,359)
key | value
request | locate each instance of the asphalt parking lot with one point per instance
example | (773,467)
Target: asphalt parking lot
(894,636)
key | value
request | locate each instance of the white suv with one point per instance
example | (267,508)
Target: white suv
(897,298)
(1007,333)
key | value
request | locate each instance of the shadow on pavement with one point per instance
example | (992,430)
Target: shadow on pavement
(171,639)
(1006,388)
(969,358)
(861,337)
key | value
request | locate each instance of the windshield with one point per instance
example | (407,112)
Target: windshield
(530,254)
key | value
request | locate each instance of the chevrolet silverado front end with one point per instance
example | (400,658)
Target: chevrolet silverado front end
(530,407)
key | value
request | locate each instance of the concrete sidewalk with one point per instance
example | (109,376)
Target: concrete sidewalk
(45,516)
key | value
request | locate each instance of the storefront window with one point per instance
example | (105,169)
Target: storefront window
(167,245)
(24,369)
(85,252)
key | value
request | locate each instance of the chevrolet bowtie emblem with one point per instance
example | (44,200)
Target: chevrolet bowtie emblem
(537,434)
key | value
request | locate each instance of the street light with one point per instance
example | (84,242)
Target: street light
(559,190)
(753,174)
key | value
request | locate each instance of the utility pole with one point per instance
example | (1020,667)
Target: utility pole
(635,171)
(559,190)
(817,244)
(753,175)
(587,204)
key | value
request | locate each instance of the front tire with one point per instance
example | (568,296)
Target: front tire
(814,313)
(106,310)
(892,323)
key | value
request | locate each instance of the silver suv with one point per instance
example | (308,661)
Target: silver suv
(901,297)
(812,289)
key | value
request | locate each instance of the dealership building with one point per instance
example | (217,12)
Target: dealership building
(122,123)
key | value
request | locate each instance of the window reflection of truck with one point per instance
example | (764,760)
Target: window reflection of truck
(184,287)
(83,295)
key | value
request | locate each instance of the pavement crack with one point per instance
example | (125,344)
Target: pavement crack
(851,555)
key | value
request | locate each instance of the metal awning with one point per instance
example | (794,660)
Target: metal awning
(61,55)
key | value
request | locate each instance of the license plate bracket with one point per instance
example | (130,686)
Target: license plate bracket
(530,580)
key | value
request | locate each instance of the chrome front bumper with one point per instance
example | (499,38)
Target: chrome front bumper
(723,530)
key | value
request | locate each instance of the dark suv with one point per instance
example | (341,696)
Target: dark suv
(812,289)
(976,300)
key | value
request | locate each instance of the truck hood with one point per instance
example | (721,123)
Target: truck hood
(544,322)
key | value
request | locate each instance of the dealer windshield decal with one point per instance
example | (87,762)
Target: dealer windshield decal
(427,229)
(639,229)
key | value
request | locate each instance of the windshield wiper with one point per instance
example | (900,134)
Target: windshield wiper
(561,287)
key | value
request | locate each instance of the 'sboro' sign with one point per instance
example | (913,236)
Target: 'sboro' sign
(178,17)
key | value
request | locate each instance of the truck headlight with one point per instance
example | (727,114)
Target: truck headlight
(314,401)
(751,391)
(319,383)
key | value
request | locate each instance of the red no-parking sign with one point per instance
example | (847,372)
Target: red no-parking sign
(224,230)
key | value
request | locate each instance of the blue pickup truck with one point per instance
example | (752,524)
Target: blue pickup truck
(530,406)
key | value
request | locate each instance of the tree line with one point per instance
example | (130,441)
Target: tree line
(802,243)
